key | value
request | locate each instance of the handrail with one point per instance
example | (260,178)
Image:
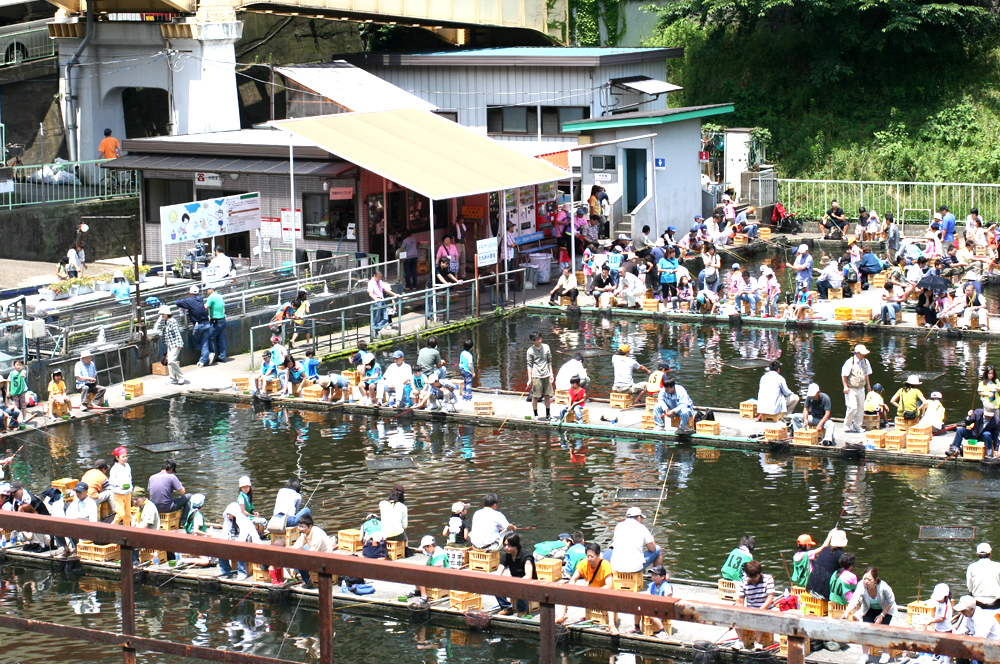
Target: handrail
(796,626)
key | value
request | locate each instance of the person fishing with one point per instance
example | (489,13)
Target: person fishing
(802,560)
(826,562)
(732,569)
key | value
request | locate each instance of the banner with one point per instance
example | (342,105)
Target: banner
(486,250)
(204,219)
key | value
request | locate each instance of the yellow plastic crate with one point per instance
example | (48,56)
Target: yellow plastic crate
(843,313)
(133,388)
(464,601)
(919,614)
(895,440)
(748,410)
(630,581)
(708,428)
(483,561)
(727,590)
(806,437)
(876,438)
(483,407)
(349,540)
(863,313)
(776,433)
(549,569)
(973,451)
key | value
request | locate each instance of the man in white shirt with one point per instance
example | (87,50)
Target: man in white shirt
(572,368)
(773,395)
(396,380)
(623,366)
(287,502)
(632,546)
(978,621)
(83,508)
(982,579)
(566,286)
(223,262)
(630,288)
(856,377)
(489,525)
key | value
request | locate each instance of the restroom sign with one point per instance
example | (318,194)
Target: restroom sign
(660,164)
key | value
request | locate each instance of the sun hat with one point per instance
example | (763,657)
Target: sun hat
(936,395)
(197,500)
(244,481)
(941,591)
(565,536)
(163,310)
(367,357)
(913,379)
(118,274)
(838,538)
(805,540)
(458,507)
(85,354)
(139,492)
(964,603)
(633,512)
(862,349)
(427,540)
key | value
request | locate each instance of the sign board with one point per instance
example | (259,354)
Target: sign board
(472,211)
(703,156)
(199,220)
(208,180)
(213,274)
(660,163)
(287,232)
(341,193)
(486,252)
(529,237)
(602,177)
(270,227)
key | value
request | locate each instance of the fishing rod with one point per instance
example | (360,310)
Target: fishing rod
(785,563)
(497,432)
(663,489)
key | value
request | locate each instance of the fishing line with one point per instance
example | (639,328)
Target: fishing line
(663,489)
(497,432)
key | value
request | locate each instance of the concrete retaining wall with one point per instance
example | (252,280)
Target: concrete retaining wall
(44,232)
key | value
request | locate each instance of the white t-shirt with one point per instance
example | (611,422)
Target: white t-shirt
(629,542)
(487,524)
(397,375)
(623,366)
(942,610)
(287,502)
(567,371)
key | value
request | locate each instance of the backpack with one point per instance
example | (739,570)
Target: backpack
(851,274)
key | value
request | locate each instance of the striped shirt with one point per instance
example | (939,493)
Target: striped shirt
(755,595)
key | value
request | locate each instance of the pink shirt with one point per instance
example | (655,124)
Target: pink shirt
(375,289)
(450,252)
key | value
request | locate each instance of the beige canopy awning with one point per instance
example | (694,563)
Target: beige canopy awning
(423,152)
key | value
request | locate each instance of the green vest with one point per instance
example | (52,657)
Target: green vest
(838,589)
(800,570)
(189,522)
(438,559)
(733,568)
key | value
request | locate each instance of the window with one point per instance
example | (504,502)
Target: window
(161,192)
(325,219)
(524,119)
(448,115)
(599,162)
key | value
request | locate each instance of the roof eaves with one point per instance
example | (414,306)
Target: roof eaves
(621,121)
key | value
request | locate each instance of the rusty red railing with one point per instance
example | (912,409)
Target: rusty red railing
(795,626)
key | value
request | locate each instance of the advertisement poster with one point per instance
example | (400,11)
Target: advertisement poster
(199,220)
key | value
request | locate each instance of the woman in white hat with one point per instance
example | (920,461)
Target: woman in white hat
(909,401)
(933,413)
(172,337)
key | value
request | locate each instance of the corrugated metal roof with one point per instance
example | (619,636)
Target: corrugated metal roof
(541,56)
(352,88)
(644,118)
(227,165)
(423,152)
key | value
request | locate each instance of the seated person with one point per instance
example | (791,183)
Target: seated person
(980,424)
(816,413)
(802,303)
(630,290)
(875,405)
(908,400)
(372,541)
(566,286)
(57,392)
(829,277)
(311,538)
(443,390)
(603,286)
(593,571)
(926,307)
(334,385)
(421,393)
(659,587)
(268,372)
(436,557)
(457,528)
(974,304)
(756,591)
(673,402)
(707,297)
(577,399)
(623,365)
(934,413)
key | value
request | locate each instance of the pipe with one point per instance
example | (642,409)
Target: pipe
(71,126)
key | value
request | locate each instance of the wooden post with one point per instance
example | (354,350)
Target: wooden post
(128,601)
(547,634)
(325,618)
(796,650)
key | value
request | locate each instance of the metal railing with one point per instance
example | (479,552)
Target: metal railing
(763,188)
(795,626)
(68,182)
(12,344)
(811,198)
(18,47)
(343,327)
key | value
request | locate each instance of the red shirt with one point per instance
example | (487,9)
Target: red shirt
(577,396)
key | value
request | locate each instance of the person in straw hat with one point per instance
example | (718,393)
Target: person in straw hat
(175,342)
(909,401)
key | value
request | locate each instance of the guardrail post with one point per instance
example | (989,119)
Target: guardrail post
(796,650)
(547,633)
(326,618)
(128,601)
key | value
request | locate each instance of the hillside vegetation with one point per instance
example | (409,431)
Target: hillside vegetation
(849,89)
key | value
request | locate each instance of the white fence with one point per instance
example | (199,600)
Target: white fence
(908,201)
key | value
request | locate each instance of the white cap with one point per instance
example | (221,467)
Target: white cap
(941,591)
(803,248)
(428,540)
(245,481)
(812,390)
(964,603)
(861,348)
(194,290)
(85,353)
(984,548)
(367,357)
(163,310)
(633,511)
(458,507)
(118,275)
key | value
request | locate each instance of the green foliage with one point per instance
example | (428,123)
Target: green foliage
(589,16)
(899,89)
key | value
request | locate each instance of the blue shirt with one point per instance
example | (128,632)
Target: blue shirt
(662,590)
(312,368)
(949,227)
(465,361)
(679,399)
(804,275)
(614,260)
(668,264)
(268,368)
(88,370)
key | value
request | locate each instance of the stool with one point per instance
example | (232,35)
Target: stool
(458,557)
(60,408)
(648,422)
(621,400)
(483,561)
(395,549)
(434,594)
(776,433)
(706,428)
(748,410)
(764,233)
(464,601)
(596,617)
(483,407)
(272,387)
(349,540)
(241,384)
(806,436)
(630,581)
(776,417)
(805,313)
(549,569)
(562,397)
(170,520)
(871,422)
(132,388)
(856,287)
(647,622)
(571,416)
(104,510)
(651,403)
(835,294)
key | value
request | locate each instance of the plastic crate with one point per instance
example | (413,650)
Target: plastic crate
(870,422)
(464,601)
(621,400)
(783,646)
(740,239)
(863,313)
(549,569)
(651,403)
(149,555)
(806,436)
(727,590)
(836,610)
(764,232)
(843,313)
(798,590)
(484,408)
(650,305)
(973,450)
(708,428)
(814,607)
(648,628)
(918,444)
(260,573)
(876,438)
(458,556)
(776,433)
(877,281)
(104,553)
(895,440)
(349,540)
(918,614)
(748,410)
(312,393)
(835,294)
(771,417)
(434,594)
(596,616)
(630,581)
(648,422)
(64,484)
(925,430)
(562,398)
(133,388)
(395,550)
(903,424)
(571,416)
(483,561)
(170,520)
(272,386)
(241,384)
